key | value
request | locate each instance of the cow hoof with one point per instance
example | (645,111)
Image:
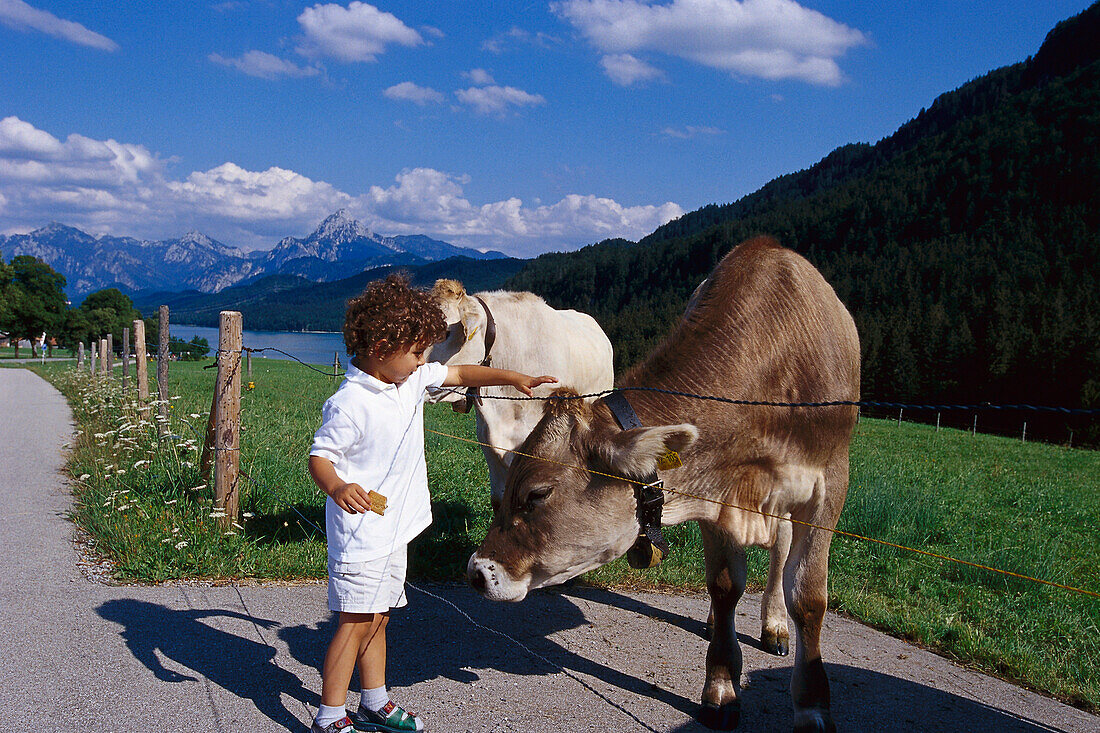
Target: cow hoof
(814,722)
(774,644)
(721,717)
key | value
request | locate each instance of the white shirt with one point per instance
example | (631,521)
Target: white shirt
(373,432)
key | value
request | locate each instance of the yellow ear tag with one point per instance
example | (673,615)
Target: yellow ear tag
(669,459)
(470,335)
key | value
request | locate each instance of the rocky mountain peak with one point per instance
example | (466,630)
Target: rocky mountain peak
(197,237)
(342,227)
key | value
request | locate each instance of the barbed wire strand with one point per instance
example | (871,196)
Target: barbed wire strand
(740,402)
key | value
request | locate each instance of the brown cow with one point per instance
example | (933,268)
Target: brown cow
(767,327)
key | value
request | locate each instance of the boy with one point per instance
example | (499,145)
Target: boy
(368,456)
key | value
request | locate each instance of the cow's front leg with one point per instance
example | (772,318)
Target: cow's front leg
(725,582)
(774,637)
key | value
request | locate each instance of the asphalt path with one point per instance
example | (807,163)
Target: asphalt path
(79,655)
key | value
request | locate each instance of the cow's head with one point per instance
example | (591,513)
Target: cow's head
(465,322)
(568,507)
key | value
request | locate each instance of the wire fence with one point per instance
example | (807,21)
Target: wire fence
(749,403)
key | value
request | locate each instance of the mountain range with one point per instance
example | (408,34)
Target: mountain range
(340,247)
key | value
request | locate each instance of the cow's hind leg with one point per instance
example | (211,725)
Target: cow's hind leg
(805,581)
(774,637)
(726,582)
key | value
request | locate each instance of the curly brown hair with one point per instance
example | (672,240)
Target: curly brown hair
(390,315)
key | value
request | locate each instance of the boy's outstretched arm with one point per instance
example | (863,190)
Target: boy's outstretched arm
(474,375)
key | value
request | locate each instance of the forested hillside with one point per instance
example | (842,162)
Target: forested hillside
(966,245)
(291,303)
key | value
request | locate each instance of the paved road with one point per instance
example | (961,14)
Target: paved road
(76,655)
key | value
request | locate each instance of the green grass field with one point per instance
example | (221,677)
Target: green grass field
(1029,508)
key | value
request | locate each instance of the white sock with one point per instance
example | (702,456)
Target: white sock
(374,699)
(329,714)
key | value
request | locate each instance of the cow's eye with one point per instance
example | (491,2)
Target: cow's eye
(537,496)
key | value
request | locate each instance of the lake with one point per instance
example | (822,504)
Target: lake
(311,347)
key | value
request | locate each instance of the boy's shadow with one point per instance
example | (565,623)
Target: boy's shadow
(430,639)
(243,667)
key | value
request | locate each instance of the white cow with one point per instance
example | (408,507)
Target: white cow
(534,338)
(530,337)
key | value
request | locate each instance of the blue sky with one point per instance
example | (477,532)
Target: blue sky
(523,126)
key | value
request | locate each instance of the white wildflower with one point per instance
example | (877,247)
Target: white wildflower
(173,501)
(84,477)
(181,545)
(247,515)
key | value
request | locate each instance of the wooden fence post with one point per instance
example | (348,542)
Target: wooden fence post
(1023,437)
(142,360)
(91,357)
(125,358)
(248,363)
(937,422)
(228,417)
(335,365)
(103,357)
(974,430)
(162,372)
(80,355)
(110,354)
(900,411)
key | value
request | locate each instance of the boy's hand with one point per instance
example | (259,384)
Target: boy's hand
(525,383)
(352,499)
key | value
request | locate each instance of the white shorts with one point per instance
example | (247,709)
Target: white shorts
(374,586)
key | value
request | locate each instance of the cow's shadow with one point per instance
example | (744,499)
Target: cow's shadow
(243,667)
(863,699)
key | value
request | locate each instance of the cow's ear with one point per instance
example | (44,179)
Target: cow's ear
(444,290)
(634,453)
(563,401)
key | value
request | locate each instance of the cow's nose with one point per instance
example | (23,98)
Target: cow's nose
(476,576)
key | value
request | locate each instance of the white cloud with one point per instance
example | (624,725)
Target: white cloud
(409,92)
(497,99)
(264,65)
(103,186)
(626,70)
(21,16)
(689,131)
(359,32)
(499,43)
(480,77)
(770,39)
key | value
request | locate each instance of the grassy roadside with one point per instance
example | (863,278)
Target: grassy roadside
(1029,508)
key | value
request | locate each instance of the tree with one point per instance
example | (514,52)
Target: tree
(37,299)
(106,311)
(7,275)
